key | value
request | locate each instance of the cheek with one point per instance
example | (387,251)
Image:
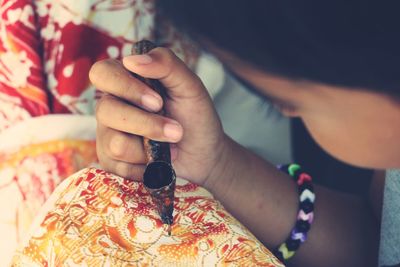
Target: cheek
(355,142)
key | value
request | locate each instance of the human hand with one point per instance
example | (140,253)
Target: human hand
(125,114)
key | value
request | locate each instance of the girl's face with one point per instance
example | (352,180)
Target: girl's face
(357,126)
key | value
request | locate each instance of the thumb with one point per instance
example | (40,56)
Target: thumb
(162,64)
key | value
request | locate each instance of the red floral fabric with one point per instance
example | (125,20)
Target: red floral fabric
(47,48)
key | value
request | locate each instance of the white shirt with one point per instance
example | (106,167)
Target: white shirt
(389,254)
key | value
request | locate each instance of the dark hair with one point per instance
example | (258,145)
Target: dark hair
(347,43)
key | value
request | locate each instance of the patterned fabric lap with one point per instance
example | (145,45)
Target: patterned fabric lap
(98,219)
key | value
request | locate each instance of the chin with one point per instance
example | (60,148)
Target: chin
(371,160)
(361,151)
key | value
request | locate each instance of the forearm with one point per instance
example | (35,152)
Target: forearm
(266,201)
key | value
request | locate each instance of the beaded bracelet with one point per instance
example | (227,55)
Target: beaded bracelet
(305,215)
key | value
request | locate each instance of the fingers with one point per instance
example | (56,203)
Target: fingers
(123,169)
(121,146)
(116,114)
(162,64)
(111,77)
(120,153)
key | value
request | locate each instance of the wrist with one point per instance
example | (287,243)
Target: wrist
(225,170)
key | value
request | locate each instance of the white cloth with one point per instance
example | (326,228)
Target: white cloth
(253,122)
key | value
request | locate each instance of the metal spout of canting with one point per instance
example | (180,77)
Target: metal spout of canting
(159,179)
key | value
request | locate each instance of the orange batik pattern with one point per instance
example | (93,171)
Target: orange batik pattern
(28,177)
(98,219)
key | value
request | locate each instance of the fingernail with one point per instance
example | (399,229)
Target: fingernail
(151,102)
(173,130)
(139,59)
